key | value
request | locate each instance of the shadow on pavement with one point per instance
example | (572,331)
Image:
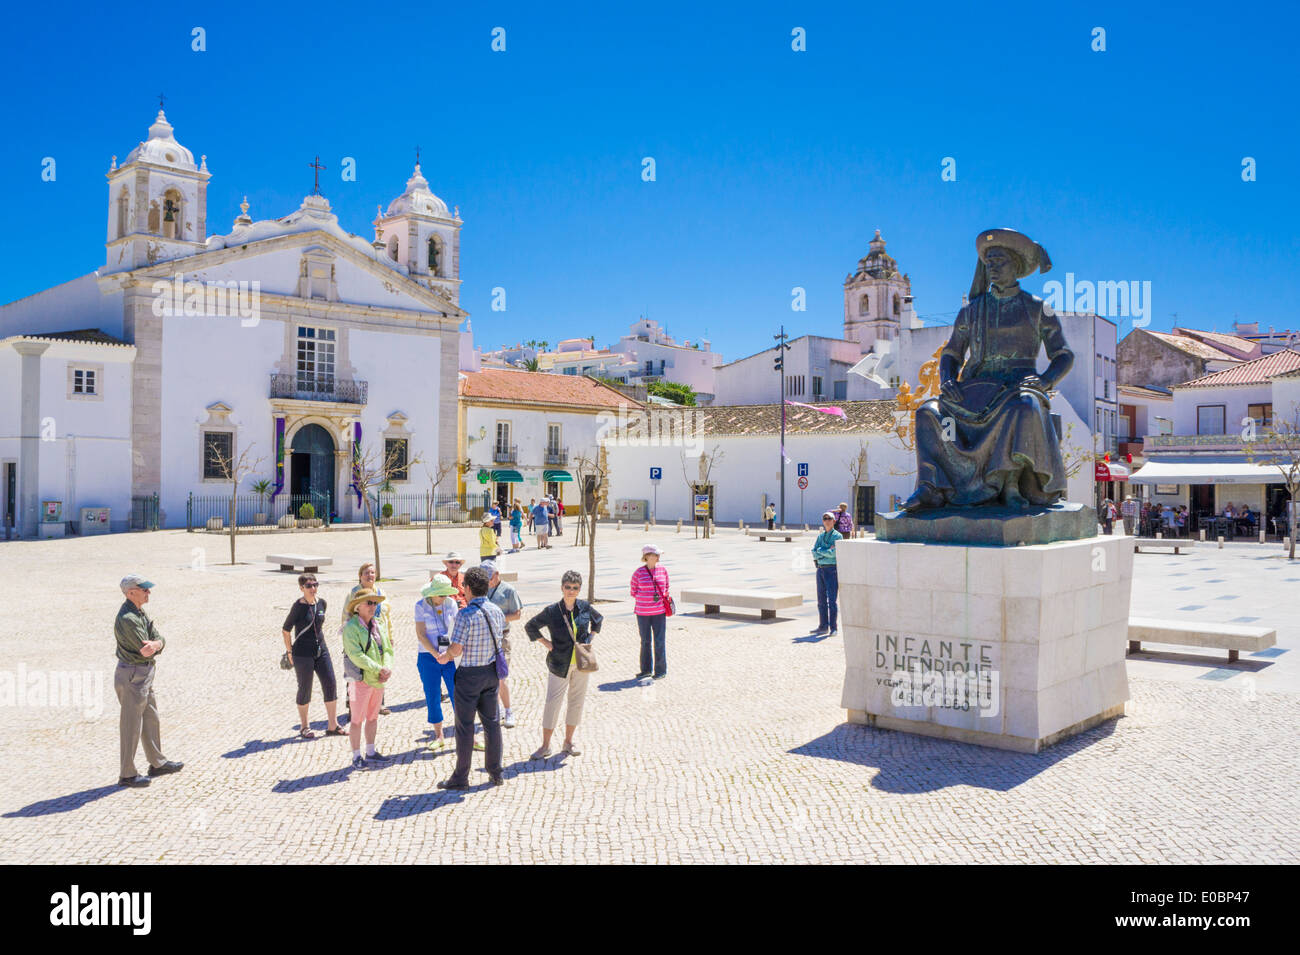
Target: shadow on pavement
(73,801)
(616,685)
(909,763)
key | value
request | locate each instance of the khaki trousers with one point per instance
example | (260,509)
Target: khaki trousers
(134,686)
(558,688)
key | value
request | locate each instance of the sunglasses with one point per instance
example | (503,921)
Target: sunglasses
(372,603)
(311,586)
(573,586)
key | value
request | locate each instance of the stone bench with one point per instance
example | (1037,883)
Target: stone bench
(767,602)
(786,536)
(304,563)
(1233,637)
(508,576)
(1175,544)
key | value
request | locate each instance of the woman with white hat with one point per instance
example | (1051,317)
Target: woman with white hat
(653,605)
(368,660)
(434,615)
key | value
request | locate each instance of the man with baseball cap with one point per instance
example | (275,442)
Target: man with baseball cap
(138,645)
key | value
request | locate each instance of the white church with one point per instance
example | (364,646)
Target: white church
(289,338)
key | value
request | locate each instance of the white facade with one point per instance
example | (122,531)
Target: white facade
(654,356)
(811,362)
(290,339)
(65,431)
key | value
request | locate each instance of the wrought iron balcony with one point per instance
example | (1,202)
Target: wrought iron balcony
(311,388)
(557,457)
(504,455)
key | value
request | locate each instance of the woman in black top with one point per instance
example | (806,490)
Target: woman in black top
(304,641)
(567,620)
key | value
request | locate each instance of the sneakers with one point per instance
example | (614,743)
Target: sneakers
(452,784)
(378,757)
(509,719)
(820,631)
(642,675)
(478,746)
(358,762)
(660,676)
(832,632)
(436,745)
(496,780)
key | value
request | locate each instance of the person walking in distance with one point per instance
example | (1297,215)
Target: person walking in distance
(844,521)
(542,525)
(516,529)
(138,646)
(1129,511)
(650,591)
(435,614)
(304,640)
(828,580)
(569,621)
(553,513)
(511,607)
(487,540)
(476,641)
(769,514)
(369,659)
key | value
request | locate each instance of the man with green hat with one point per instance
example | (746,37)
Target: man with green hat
(435,613)
(138,646)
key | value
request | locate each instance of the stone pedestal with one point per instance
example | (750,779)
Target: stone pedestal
(1041,628)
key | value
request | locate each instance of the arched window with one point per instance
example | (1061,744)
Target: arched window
(173,221)
(864,305)
(435,255)
(392,248)
(898,308)
(123,210)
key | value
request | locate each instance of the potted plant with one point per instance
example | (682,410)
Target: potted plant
(387,512)
(307,515)
(261,489)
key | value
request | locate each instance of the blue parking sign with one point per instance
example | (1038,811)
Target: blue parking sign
(803,470)
(656,473)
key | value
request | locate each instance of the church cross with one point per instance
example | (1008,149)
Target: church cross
(160,101)
(417,155)
(318,167)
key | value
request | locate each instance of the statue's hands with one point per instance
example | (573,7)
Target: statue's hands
(951,390)
(1036,383)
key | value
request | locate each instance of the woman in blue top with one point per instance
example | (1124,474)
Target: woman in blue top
(828,578)
(516,528)
(434,616)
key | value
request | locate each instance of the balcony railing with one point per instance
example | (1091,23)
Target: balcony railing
(557,457)
(504,455)
(310,388)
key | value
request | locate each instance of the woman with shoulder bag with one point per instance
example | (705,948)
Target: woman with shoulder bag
(310,655)
(570,623)
(653,608)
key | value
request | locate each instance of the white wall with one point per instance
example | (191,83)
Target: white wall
(73,305)
(1234,398)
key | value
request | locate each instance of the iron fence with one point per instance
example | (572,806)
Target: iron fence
(407,507)
(144,513)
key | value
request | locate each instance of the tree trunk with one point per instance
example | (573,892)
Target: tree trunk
(591,561)
(428,522)
(374,534)
(233,512)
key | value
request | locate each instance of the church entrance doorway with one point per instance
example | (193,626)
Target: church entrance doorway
(311,470)
(865,506)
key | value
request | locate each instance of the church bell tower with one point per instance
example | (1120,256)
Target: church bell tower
(877,298)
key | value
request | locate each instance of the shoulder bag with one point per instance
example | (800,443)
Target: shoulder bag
(586,656)
(498,655)
(670,606)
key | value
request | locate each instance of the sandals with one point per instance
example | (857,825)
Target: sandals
(336,731)
(570,749)
(542,753)
(305,733)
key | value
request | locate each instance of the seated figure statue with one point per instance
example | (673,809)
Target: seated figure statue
(988,437)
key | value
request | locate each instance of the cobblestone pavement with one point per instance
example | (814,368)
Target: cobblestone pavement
(741,755)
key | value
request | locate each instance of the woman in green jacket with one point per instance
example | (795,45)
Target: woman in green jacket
(828,577)
(368,660)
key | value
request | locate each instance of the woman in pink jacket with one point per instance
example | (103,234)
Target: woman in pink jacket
(650,590)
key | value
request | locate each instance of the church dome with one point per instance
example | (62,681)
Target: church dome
(161,148)
(876,264)
(418,198)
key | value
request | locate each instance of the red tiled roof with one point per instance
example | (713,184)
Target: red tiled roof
(503,385)
(1193,346)
(1255,372)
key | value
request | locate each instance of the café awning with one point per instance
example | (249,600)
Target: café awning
(1110,471)
(507,476)
(1206,472)
(557,476)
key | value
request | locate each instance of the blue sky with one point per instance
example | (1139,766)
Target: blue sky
(773,167)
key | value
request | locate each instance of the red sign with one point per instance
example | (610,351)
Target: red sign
(803,484)
(1102,472)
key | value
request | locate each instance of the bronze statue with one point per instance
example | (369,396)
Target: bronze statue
(988,437)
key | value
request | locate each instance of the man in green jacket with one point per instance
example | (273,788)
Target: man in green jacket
(138,646)
(828,578)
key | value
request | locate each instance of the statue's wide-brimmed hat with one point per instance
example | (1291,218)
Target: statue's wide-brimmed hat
(1034,255)
(1031,253)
